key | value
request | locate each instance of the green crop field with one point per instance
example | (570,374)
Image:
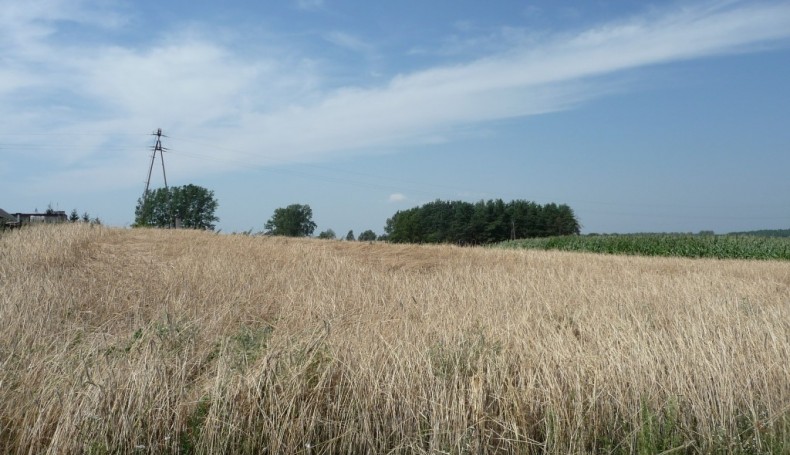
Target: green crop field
(678,245)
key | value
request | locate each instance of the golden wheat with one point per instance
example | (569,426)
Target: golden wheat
(121,341)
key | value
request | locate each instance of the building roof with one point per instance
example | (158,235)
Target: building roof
(59,214)
(6,215)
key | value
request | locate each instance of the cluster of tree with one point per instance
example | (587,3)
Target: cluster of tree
(365,236)
(296,220)
(480,223)
(75,217)
(189,206)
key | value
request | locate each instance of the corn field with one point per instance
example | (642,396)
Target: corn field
(690,246)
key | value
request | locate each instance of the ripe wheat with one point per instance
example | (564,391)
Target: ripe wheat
(121,341)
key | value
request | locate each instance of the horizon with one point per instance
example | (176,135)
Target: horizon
(666,118)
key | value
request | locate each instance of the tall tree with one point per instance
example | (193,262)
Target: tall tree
(74,216)
(567,224)
(193,206)
(296,220)
(350,235)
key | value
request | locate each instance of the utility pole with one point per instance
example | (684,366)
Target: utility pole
(157,148)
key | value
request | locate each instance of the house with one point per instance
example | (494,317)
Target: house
(51,216)
(6,219)
(18,219)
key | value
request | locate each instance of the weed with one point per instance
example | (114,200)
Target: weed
(462,360)
(190,436)
(249,343)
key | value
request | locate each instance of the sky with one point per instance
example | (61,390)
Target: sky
(642,116)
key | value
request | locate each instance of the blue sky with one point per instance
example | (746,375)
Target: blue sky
(663,116)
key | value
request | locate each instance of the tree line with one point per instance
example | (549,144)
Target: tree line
(765,233)
(440,221)
(483,222)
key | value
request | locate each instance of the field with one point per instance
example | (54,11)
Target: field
(153,341)
(675,245)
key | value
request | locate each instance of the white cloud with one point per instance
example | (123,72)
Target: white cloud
(192,82)
(521,82)
(397,197)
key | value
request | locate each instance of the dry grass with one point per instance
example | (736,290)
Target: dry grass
(128,341)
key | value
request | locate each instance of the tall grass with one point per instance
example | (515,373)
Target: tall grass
(129,341)
(678,245)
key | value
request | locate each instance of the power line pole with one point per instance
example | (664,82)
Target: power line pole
(157,148)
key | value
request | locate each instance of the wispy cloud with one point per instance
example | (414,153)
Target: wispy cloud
(523,81)
(264,108)
(397,197)
(310,5)
(348,41)
(473,41)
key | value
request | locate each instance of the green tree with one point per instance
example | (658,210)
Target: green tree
(350,235)
(74,216)
(193,206)
(85,217)
(483,222)
(296,220)
(367,236)
(328,234)
(403,227)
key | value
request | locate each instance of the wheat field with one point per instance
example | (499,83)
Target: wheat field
(154,341)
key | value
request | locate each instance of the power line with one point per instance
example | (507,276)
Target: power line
(252,160)
(379,185)
(282,162)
